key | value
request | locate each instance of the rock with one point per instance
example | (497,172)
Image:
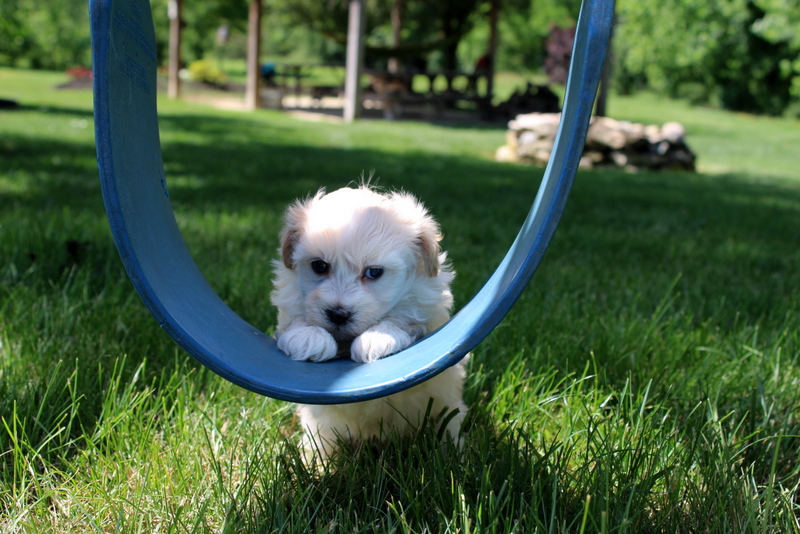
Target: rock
(506,154)
(594,156)
(652,133)
(609,142)
(604,136)
(535,121)
(619,158)
(674,132)
(528,136)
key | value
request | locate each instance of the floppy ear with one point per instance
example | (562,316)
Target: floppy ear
(428,246)
(294,221)
(294,218)
(426,230)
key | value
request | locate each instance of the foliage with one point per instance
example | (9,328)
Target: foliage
(428,25)
(283,38)
(525,25)
(453,20)
(781,25)
(14,38)
(703,49)
(559,54)
(207,71)
(55,34)
(34,34)
(330,17)
(200,23)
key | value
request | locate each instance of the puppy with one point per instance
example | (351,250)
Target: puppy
(361,275)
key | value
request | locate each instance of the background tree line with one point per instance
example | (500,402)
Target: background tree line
(738,54)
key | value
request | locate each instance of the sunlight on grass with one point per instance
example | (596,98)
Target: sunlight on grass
(646,381)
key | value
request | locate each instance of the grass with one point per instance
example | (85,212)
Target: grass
(646,381)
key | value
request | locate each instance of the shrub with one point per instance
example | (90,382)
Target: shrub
(708,50)
(205,71)
(559,53)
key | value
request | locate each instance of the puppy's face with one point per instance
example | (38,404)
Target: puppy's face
(356,255)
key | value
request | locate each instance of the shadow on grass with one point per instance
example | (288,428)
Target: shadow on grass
(413,482)
(57,110)
(501,481)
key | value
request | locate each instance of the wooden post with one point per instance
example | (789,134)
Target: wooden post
(175,21)
(253,91)
(397,25)
(490,68)
(355,60)
(602,92)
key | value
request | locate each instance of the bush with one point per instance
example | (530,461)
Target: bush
(206,71)
(780,25)
(524,28)
(705,49)
(37,34)
(559,54)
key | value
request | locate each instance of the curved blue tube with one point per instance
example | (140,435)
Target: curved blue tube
(173,289)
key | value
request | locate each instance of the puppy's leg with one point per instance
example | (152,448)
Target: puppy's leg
(318,446)
(302,342)
(381,340)
(323,427)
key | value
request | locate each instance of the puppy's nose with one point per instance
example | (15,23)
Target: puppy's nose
(338,316)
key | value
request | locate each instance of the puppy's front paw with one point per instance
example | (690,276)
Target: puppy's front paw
(308,343)
(375,344)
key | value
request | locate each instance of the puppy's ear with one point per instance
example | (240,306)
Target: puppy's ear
(408,208)
(294,220)
(428,246)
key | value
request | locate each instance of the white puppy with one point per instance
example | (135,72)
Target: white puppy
(362,276)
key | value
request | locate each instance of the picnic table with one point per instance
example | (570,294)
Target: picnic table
(394,92)
(397,94)
(287,76)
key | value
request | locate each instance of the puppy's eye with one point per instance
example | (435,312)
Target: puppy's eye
(373,273)
(319,266)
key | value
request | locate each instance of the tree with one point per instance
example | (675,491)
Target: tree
(705,50)
(427,25)
(451,18)
(525,26)
(200,23)
(55,34)
(780,24)
(15,37)
(34,33)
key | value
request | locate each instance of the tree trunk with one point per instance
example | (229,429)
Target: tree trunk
(175,21)
(602,93)
(355,60)
(450,57)
(397,26)
(490,70)
(253,90)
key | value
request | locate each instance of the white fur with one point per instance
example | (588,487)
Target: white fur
(355,232)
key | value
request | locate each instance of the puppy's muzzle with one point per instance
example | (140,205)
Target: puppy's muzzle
(338,316)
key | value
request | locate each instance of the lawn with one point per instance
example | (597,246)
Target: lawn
(646,381)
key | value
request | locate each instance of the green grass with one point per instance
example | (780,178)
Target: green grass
(646,381)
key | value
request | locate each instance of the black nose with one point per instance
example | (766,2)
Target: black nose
(338,316)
